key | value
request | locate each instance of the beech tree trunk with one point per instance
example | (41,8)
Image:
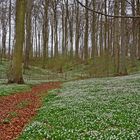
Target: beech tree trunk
(123,69)
(93,36)
(138,9)
(45,35)
(116,43)
(77,33)
(86,34)
(16,73)
(28,33)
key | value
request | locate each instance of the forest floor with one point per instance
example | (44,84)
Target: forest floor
(90,109)
(16,110)
(93,108)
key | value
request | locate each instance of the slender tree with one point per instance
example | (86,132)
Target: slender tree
(45,34)
(28,33)
(138,11)
(77,33)
(9,48)
(123,69)
(86,33)
(93,36)
(116,43)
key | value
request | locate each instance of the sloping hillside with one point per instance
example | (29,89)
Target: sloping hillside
(107,108)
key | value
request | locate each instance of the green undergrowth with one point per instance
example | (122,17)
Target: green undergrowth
(64,69)
(8,119)
(3,69)
(8,89)
(71,69)
(23,104)
(93,109)
(59,70)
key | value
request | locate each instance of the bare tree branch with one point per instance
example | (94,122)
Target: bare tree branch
(111,16)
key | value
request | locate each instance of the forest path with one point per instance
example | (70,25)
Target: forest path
(18,109)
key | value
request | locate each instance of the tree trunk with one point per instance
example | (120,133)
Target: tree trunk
(86,34)
(133,44)
(45,35)
(138,9)
(28,33)
(56,31)
(116,43)
(9,48)
(16,73)
(63,31)
(52,39)
(66,29)
(4,31)
(101,37)
(77,34)
(71,34)
(93,33)
(123,69)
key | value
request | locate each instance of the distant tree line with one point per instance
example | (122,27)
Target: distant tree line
(75,29)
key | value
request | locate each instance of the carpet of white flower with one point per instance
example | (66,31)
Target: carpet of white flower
(94,109)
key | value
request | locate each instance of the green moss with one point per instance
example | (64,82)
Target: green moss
(6,121)
(13,114)
(22,104)
(6,89)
